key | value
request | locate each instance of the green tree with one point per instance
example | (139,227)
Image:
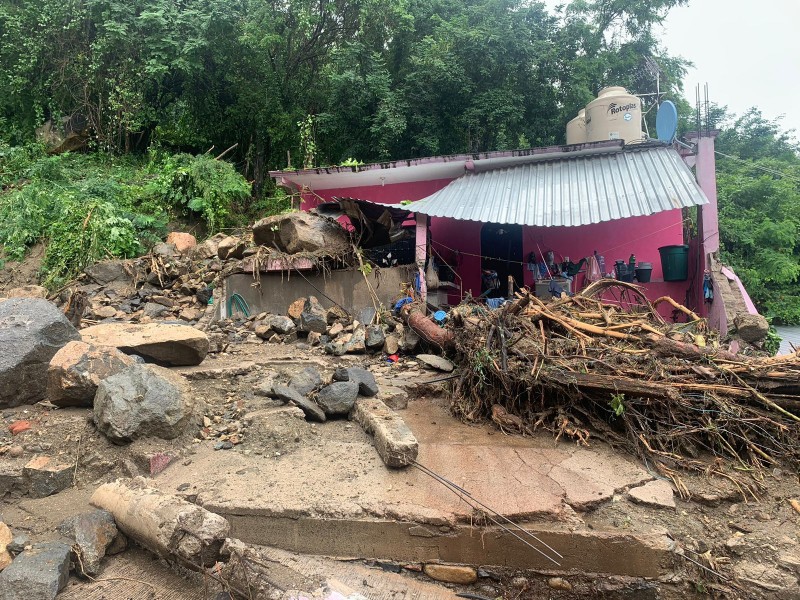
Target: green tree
(758,183)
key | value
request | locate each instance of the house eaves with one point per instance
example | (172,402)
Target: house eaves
(570,191)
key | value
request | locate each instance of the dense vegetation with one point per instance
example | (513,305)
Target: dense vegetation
(758,183)
(379,78)
(158,83)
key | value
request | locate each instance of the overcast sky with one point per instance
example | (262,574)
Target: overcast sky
(748,51)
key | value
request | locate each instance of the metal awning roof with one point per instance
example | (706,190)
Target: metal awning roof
(570,191)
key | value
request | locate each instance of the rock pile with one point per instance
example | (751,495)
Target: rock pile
(40,571)
(320,398)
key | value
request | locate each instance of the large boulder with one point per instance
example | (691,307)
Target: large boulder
(183,241)
(751,328)
(301,232)
(142,401)
(107,271)
(338,398)
(231,247)
(313,317)
(32,330)
(77,369)
(174,345)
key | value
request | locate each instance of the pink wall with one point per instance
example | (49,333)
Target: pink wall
(641,236)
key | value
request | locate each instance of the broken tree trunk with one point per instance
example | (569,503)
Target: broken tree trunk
(169,526)
(427,329)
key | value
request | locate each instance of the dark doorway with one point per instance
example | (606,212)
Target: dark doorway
(501,249)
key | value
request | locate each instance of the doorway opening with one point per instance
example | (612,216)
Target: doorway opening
(501,251)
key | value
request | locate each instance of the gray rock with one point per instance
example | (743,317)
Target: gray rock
(751,328)
(313,317)
(107,271)
(337,399)
(92,533)
(142,401)
(36,574)
(280,324)
(154,310)
(375,337)
(18,544)
(341,374)
(357,343)
(32,330)
(410,341)
(311,410)
(366,315)
(306,381)
(391,345)
(334,348)
(165,250)
(367,386)
(45,476)
(436,362)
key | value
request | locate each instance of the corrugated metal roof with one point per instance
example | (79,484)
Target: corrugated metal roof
(570,191)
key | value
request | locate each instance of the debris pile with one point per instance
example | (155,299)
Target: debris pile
(665,392)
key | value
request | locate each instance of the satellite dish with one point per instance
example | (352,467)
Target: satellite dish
(666,121)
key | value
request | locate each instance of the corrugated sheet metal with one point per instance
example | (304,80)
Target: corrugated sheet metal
(570,191)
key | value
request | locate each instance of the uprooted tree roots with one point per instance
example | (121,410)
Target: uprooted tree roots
(605,361)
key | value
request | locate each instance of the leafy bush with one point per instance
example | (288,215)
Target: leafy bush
(85,207)
(190,185)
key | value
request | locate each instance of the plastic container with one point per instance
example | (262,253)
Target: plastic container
(643,272)
(614,115)
(675,262)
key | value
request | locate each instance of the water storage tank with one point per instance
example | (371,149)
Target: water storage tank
(576,129)
(614,115)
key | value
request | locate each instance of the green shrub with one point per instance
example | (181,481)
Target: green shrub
(85,207)
(201,185)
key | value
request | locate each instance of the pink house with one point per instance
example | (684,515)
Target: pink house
(506,210)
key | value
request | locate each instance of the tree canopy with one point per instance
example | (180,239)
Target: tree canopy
(381,79)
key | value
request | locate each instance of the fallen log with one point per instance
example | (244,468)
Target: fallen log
(167,525)
(429,331)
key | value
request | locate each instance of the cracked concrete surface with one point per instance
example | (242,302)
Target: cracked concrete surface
(338,474)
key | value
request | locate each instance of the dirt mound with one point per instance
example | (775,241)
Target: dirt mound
(25,272)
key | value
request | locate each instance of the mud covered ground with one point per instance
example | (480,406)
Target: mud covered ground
(746,549)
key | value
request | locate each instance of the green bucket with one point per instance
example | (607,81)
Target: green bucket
(675,262)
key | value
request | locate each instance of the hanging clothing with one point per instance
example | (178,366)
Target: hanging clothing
(593,272)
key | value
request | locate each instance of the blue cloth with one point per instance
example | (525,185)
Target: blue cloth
(495,303)
(402,302)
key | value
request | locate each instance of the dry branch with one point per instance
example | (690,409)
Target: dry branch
(619,369)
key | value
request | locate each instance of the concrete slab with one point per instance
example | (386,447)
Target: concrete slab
(337,497)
